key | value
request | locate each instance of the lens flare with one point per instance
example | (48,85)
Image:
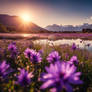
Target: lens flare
(26,17)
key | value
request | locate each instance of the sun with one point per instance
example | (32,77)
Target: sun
(25,17)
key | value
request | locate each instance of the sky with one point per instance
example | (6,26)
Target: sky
(47,12)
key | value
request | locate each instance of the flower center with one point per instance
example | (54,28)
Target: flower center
(34,58)
(29,54)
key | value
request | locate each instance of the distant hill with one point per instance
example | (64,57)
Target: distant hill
(15,24)
(68,28)
(3,29)
(87,30)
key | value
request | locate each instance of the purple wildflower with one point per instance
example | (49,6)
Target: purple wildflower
(32,55)
(4,69)
(53,57)
(74,46)
(27,53)
(40,51)
(35,57)
(13,49)
(24,78)
(73,60)
(66,55)
(60,75)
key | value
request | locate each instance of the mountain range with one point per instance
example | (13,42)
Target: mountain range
(61,28)
(15,24)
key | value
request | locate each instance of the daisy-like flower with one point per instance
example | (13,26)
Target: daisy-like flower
(35,57)
(24,78)
(60,76)
(32,55)
(27,53)
(53,57)
(5,69)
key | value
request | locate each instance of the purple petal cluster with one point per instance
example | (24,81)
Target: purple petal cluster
(53,57)
(36,57)
(13,49)
(27,53)
(60,76)
(24,78)
(41,52)
(33,55)
(73,60)
(74,47)
(4,69)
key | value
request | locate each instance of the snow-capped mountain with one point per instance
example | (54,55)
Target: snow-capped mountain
(60,28)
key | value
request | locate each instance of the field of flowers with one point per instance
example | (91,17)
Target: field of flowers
(29,67)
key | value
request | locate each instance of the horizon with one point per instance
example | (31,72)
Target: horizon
(50,24)
(49,12)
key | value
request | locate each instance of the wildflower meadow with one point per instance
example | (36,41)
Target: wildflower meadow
(44,68)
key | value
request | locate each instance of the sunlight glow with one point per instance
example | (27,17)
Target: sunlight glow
(26,35)
(25,17)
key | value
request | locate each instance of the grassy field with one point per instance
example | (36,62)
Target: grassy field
(17,60)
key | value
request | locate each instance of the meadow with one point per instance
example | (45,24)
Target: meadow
(25,66)
(45,45)
(50,36)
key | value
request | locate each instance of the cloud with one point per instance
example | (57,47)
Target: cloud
(91,17)
(88,20)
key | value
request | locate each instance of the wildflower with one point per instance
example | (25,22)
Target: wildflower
(60,76)
(40,51)
(32,55)
(13,49)
(27,53)
(53,57)
(74,46)
(24,78)
(35,57)
(66,55)
(73,60)
(4,69)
